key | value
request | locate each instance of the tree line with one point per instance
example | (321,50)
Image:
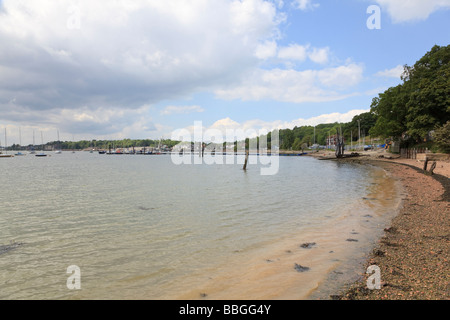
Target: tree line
(102,144)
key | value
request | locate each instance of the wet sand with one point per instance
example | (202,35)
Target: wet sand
(413,253)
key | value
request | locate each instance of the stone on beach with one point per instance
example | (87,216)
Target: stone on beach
(307,245)
(300,268)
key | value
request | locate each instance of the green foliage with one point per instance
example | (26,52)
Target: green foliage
(106,144)
(415,107)
(442,137)
(366,122)
(286,139)
(390,110)
(303,137)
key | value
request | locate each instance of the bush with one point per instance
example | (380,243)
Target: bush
(442,137)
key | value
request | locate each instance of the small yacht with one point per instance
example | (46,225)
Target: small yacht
(5,155)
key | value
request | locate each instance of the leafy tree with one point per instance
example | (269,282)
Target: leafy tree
(286,139)
(429,103)
(297,145)
(415,107)
(390,110)
(442,137)
(366,122)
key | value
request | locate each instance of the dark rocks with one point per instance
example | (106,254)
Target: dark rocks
(307,245)
(390,229)
(300,268)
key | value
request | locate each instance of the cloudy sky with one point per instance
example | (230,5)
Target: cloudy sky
(141,69)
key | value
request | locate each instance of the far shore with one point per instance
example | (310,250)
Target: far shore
(413,254)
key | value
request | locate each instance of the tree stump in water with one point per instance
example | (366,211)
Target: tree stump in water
(246,160)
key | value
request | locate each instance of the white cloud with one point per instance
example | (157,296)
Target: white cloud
(126,54)
(296,86)
(81,123)
(395,72)
(296,52)
(412,10)
(266,50)
(319,55)
(181,110)
(304,5)
(257,125)
(293,52)
(327,118)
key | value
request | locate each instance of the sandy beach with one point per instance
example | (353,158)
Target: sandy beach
(413,254)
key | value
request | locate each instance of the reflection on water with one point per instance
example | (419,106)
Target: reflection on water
(140,227)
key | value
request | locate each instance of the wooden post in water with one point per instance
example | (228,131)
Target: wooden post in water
(246,161)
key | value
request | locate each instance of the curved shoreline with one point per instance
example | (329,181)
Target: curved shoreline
(413,254)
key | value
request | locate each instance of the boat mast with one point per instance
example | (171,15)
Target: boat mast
(6,144)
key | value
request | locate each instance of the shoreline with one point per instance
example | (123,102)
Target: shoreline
(331,254)
(413,254)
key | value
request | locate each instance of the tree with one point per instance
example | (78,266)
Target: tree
(429,103)
(442,137)
(297,145)
(415,107)
(367,122)
(390,110)
(287,139)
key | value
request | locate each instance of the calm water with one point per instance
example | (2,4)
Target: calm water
(140,227)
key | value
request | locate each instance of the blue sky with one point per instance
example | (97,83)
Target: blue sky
(142,69)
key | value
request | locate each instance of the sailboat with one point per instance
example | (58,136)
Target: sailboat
(6,155)
(59,144)
(20,144)
(32,148)
(42,154)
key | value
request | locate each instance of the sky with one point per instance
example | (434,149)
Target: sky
(142,69)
